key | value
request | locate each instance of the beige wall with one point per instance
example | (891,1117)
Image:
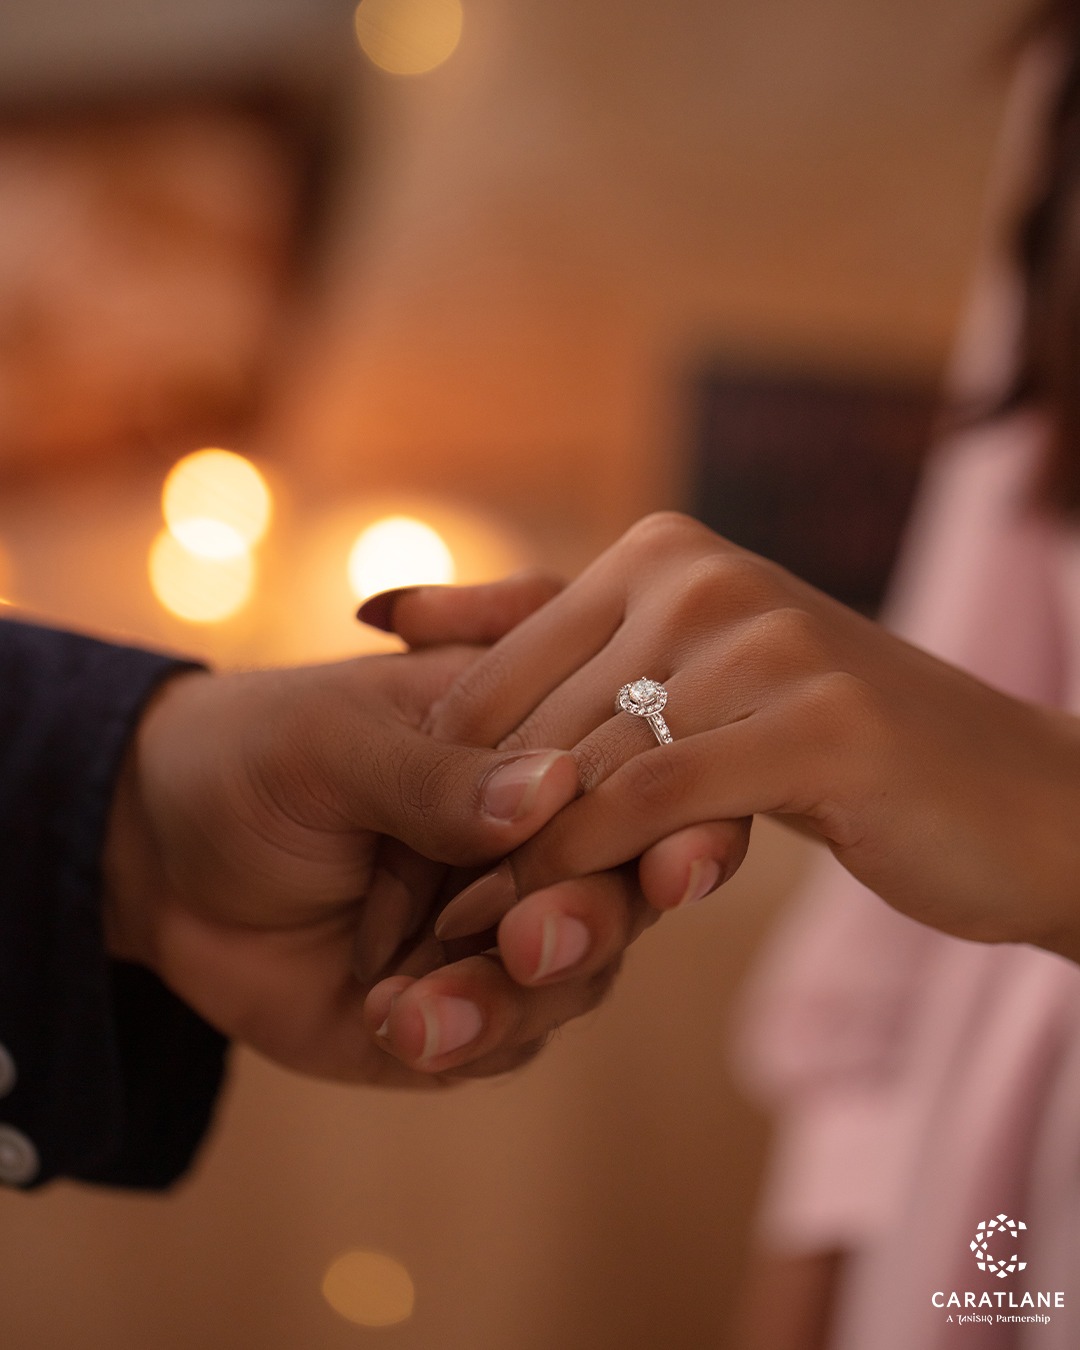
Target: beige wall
(588,197)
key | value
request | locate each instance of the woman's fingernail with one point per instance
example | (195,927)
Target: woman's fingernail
(449,1023)
(565,942)
(378,611)
(383,1030)
(511,791)
(479,906)
(704,876)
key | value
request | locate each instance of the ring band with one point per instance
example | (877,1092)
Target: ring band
(646,698)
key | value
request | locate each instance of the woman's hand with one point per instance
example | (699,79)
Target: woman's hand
(275,835)
(957,804)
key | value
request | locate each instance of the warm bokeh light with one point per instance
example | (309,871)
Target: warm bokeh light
(198,589)
(209,538)
(408,37)
(398,551)
(316,600)
(369,1288)
(216,503)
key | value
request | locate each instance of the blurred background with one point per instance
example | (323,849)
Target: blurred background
(459,288)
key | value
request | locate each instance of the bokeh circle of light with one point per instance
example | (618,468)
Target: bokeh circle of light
(199,589)
(398,551)
(369,1288)
(216,503)
(408,37)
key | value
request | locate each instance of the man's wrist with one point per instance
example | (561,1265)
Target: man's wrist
(133,880)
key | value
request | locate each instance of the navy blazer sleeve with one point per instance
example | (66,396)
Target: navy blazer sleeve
(105,1075)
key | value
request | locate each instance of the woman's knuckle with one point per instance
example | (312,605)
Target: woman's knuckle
(794,631)
(849,705)
(594,763)
(660,531)
(702,588)
(654,778)
(745,581)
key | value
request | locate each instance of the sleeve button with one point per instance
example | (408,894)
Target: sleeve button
(19,1161)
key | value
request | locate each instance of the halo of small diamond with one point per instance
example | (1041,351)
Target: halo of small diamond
(642,698)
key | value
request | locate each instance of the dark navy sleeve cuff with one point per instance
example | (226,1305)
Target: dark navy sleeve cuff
(109,1076)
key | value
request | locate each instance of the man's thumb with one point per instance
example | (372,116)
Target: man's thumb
(465,806)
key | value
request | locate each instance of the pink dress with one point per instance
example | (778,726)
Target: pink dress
(922,1083)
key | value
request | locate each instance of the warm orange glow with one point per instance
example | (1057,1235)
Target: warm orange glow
(398,551)
(216,503)
(6,575)
(408,37)
(370,1289)
(199,589)
(315,621)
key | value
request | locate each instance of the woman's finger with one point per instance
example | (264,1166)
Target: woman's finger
(687,866)
(429,616)
(472,1016)
(573,929)
(499,691)
(746,661)
(770,761)
(774,761)
(503,688)
(559,950)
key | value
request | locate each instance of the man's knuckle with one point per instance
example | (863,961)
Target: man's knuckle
(461,713)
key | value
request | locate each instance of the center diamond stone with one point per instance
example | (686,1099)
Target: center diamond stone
(642,692)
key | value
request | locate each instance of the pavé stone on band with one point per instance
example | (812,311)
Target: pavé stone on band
(646,698)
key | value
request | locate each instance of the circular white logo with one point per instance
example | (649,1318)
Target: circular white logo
(984,1259)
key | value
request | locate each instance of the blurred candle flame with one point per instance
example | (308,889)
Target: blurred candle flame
(216,503)
(199,589)
(217,507)
(398,551)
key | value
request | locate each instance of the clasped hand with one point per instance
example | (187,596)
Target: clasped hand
(284,843)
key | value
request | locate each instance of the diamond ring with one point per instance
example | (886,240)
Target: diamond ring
(645,698)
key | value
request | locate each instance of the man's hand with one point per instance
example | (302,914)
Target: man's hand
(273,831)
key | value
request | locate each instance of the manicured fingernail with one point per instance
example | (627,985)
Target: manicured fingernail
(378,611)
(449,1023)
(565,942)
(511,791)
(479,906)
(383,1030)
(704,876)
